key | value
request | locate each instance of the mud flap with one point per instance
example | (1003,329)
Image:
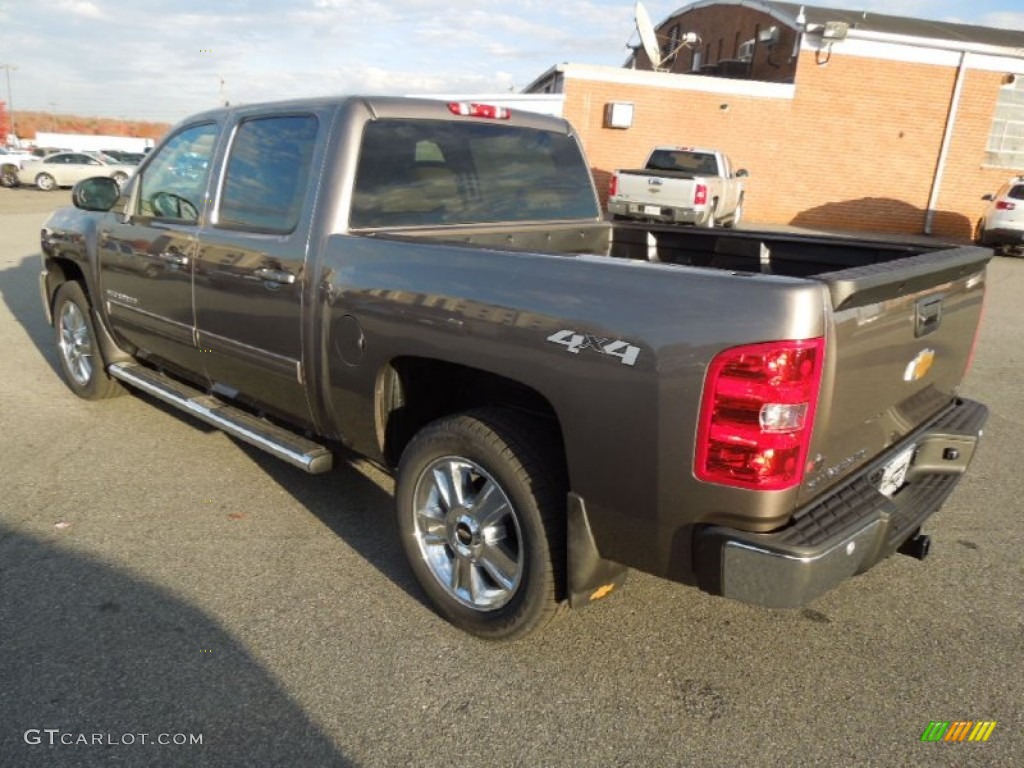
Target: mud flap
(590,577)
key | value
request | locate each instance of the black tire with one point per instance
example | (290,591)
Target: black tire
(9,176)
(505,506)
(45,182)
(81,361)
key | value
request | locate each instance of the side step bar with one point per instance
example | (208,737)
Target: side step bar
(277,441)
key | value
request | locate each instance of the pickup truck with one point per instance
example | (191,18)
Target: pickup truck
(682,185)
(433,286)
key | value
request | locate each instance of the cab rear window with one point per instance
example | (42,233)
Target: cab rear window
(427,172)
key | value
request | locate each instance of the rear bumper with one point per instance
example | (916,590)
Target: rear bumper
(848,531)
(654,212)
(1002,236)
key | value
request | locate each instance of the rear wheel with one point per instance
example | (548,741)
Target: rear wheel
(80,358)
(46,182)
(481,513)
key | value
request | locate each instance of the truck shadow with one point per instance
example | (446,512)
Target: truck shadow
(19,287)
(89,649)
(883,214)
(346,500)
(353,506)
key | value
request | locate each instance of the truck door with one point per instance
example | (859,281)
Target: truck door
(146,257)
(251,275)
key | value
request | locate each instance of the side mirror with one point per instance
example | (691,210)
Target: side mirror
(742,173)
(98,193)
(990,198)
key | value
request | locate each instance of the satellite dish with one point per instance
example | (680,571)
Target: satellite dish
(645,29)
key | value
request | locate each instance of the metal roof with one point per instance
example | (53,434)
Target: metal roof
(866,21)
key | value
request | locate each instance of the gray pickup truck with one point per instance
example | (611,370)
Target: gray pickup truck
(432,285)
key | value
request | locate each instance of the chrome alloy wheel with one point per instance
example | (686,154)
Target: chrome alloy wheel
(468,533)
(76,343)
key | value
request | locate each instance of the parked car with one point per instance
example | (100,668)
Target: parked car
(1002,226)
(121,156)
(682,185)
(11,161)
(65,169)
(434,286)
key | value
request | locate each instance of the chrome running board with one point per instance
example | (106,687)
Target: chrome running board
(277,441)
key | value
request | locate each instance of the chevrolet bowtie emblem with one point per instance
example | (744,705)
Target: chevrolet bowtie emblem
(920,365)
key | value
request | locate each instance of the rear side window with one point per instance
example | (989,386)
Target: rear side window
(1016,192)
(426,172)
(268,174)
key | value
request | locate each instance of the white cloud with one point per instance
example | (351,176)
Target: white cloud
(1004,20)
(81,8)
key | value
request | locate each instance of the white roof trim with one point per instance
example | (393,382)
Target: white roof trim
(676,82)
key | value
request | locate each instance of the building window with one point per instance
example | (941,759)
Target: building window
(695,62)
(1006,139)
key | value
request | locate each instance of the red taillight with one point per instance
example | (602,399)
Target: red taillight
(613,185)
(700,194)
(488,111)
(1005,205)
(757,414)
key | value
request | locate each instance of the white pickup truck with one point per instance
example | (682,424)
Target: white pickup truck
(687,185)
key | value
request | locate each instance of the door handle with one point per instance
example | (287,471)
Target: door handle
(171,257)
(282,276)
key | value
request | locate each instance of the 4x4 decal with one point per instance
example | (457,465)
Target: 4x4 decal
(575,341)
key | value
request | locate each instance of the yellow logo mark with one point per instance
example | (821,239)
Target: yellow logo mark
(600,592)
(920,365)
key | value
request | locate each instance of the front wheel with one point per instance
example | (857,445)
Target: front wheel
(80,358)
(481,514)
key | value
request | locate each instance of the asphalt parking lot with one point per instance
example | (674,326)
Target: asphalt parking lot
(158,578)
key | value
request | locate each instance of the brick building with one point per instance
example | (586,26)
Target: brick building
(845,120)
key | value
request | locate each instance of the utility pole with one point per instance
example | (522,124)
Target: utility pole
(10,101)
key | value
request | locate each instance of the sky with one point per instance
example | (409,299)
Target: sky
(163,61)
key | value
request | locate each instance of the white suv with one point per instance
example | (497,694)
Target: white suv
(1003,224)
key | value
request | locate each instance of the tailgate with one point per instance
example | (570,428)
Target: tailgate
(902,337)
(654,187)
